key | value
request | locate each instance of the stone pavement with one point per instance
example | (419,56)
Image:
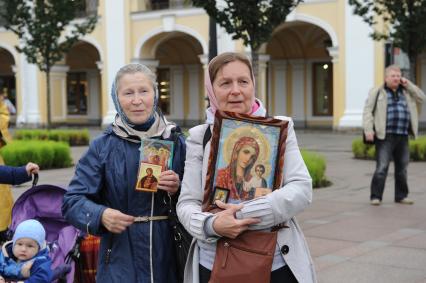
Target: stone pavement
(350,240)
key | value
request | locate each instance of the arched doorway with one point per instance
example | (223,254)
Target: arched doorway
(301,74)
(7,78)
(177,64)
(83,84)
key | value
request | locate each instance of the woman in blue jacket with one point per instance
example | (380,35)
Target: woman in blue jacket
(136,244)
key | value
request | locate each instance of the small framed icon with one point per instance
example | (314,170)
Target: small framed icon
(149,174)
(221,194)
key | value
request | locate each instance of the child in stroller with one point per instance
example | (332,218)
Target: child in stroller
(43,203)
(26,256)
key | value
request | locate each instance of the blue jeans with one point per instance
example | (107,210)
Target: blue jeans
(392,147)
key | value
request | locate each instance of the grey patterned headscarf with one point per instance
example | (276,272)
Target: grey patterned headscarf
(132,69)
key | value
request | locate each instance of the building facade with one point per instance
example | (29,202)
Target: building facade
(317,67)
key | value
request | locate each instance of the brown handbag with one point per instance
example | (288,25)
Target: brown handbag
(247,258)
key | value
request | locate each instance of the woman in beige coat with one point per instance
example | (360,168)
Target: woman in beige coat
(230,86)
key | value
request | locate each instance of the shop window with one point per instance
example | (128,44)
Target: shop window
(323,89)
(168,4)
(87,8)
(163,78)
(77,93)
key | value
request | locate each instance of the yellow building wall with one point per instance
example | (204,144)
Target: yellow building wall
(379,56)
(334,14)
(139,28)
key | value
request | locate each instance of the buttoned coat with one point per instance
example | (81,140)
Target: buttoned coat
(293,197)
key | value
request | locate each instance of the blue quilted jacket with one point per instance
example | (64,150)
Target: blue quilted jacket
(106,177)
(40,271)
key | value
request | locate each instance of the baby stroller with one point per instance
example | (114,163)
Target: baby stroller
(43,203)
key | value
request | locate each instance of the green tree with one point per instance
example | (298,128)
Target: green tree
(401,21)
(253,21)
(47,29)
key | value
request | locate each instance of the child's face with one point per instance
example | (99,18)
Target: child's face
(25,248)
(259,171)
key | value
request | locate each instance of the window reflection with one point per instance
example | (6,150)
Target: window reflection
(323,89)
(163,78)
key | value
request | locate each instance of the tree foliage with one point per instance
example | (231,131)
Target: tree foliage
(404,23)
(250,20)
(253,21)
(47,29)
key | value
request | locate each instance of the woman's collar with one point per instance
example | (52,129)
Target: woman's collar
(260,112)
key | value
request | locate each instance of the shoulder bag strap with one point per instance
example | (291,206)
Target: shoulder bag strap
(375,102)
(207,136)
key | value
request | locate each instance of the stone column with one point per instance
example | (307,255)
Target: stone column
(422,118)
(176,94)
(359,73)
(298,92)
(193,113)
(262,80)
(93,99)
(115,46)
(30,96)
(204,59)
(58,93)
(278,102)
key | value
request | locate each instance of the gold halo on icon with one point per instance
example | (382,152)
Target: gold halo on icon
(248,131)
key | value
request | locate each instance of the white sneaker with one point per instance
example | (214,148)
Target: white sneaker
(406,201)
(375,201)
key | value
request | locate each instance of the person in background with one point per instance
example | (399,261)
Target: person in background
(230,86)
(136,237)
(9,105)
(395,117)
(17,175)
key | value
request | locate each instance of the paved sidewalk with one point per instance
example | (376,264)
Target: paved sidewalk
(350,240)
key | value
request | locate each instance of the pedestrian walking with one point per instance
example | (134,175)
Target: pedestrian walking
(391,114)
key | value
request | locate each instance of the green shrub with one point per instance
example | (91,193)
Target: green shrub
(47,154)
(316,166)
(72,137)
(417,149)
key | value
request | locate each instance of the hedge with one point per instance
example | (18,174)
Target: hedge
(47,154)
(316,166)
(72,137)
(417,149)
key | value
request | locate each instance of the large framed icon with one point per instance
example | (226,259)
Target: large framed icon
(246,158)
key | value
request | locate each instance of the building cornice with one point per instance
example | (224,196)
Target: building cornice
(151,15)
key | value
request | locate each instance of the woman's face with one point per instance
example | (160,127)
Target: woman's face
(136,97)
(245,156)
(233,88)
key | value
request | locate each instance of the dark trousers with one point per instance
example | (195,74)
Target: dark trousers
(392,147)
(281,275)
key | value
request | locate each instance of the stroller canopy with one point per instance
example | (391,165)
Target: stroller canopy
(43,203)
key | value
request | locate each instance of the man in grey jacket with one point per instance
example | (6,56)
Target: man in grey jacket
(395,105)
